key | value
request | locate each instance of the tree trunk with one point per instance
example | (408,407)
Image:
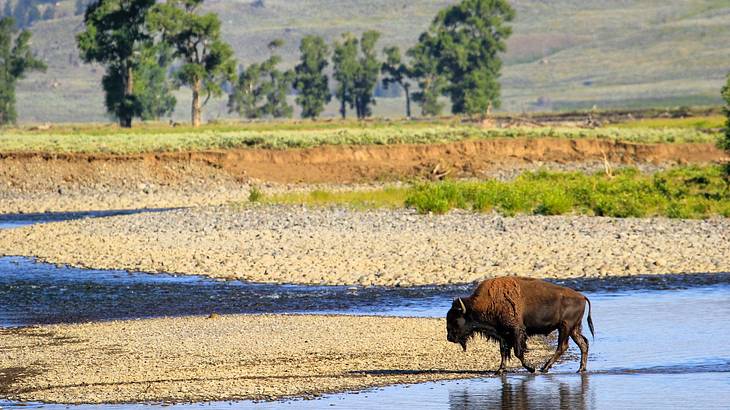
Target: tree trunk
(196,110)
(125,117)
(408,101)
(343,108)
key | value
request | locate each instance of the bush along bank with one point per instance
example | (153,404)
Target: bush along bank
(683,192)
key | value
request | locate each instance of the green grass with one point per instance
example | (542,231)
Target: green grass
(287,135)
(699,123)
(683,192)
(389,197)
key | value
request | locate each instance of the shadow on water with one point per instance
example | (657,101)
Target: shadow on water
(18,220)
(40,293)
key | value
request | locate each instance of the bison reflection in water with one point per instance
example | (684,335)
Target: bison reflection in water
(508,310)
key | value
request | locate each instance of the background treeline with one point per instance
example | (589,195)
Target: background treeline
(28,12)
(150,48)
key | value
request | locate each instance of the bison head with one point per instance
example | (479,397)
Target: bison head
(457,323)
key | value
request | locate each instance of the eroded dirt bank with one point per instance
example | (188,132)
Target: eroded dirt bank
(43,182)
(390,248)
(233,357)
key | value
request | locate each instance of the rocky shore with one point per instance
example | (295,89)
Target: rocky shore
(390,248)
(233,358)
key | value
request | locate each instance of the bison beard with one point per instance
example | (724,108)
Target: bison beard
(509,310)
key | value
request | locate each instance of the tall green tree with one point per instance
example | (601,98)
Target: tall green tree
(345,64)
(356,68)
(466,40)
(207,60)
(310,80)
(366,75)
(153,87)
(277,85)
(16,60)
(396,71)
(726,142)
(262,89)
(114,36)
(425,70)
(248,94)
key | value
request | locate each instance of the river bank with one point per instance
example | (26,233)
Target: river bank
(233,357)
(323,246)
(62,182)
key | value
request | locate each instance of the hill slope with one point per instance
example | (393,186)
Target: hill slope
(563,53)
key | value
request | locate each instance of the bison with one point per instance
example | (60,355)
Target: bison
(510,309)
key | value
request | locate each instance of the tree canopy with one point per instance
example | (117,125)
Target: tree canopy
(16,60)
(345,64)
(207,60)
(425,70)
(115,33)
(465,39)
(310,80)
(397,72)
(262,89)
(366,75)
(356,69)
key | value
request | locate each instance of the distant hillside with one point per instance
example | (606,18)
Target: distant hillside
(563,53)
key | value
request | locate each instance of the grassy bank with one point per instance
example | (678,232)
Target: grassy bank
(285,135)
(685,192)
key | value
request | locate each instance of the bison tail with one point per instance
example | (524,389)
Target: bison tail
(590,320)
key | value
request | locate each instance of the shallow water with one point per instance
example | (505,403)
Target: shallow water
(660,342)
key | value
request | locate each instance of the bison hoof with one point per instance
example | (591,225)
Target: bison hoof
(544,370)
(530,369)
(499,372)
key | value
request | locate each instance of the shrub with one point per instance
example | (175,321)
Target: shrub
(686,192)
(255,195)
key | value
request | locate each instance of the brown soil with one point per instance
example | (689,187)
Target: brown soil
(330,164)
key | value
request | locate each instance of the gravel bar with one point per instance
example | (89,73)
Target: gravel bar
(323,246)
(239,357)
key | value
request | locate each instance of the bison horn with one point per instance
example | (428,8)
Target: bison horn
(461,302)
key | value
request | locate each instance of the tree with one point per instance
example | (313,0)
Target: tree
(397,72)
(726,142)
(425,71)
(356,72)
(152,85)
(115,35)
(16,59)
(345,66)
(207,61)
(277,87)
(262,89)
(466,39)
(247,94)
(310,80)
(366,75)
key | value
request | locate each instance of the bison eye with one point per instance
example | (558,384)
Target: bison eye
(461,321)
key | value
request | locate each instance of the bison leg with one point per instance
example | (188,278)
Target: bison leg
(562,346)
(520,344)
(504,352)
(582,343)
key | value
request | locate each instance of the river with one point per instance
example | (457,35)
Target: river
(660,341)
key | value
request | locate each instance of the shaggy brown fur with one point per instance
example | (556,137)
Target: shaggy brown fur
(509,309)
